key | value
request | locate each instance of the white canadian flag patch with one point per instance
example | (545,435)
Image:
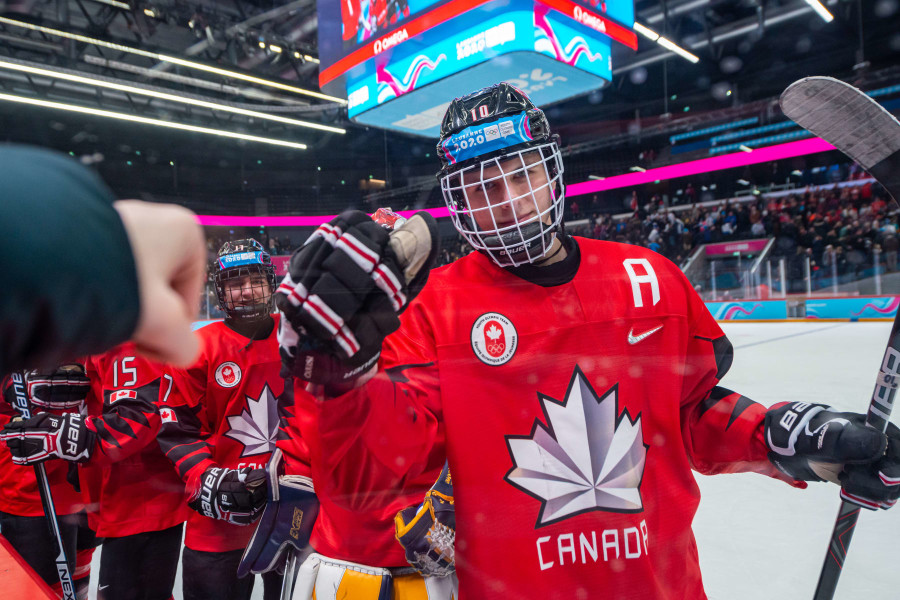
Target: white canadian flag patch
(121,395)
(168,415)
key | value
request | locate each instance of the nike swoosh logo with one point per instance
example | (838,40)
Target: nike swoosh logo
(634,339)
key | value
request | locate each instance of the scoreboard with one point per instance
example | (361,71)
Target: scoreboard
(400,62)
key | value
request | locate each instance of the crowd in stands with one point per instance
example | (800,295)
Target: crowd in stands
(841,226)
(844,226)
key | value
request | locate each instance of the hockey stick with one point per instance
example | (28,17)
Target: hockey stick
(23,405)
(860,128)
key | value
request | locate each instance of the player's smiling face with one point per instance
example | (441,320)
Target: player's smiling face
(508,193)
(246,290)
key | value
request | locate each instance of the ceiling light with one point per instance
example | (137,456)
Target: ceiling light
(646,32)
(311,59)
(275,49)
(116,3)
(596,177)
(672,47)
(172,59)
(664,42)
(821,10)
(797,172)
(637,169)
(743,182)
(147,121)
(150,13)
(297,55)
(164,96)
(744,148)
(262,45)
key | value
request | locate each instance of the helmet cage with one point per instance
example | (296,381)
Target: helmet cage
(468,195)
(245,261)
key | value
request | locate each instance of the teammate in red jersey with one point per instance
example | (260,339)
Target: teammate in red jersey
(136,500)
(219,425)
(571,383)
(22,519)
(356,555)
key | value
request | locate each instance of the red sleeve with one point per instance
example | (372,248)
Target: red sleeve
(384,434)
(184,431)
(722,430)
(128,418)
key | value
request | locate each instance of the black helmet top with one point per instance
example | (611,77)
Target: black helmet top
(491,122)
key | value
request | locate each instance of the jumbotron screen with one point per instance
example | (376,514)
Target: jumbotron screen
(349,30)
(398,62)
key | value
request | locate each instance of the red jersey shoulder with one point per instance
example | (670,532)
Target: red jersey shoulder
(121,367)
(646,280)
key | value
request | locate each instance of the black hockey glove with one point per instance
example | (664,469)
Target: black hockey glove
(45,436)
(875,485)
(63,388)
(811,442)
(344,290)
(234,495)
(428,532)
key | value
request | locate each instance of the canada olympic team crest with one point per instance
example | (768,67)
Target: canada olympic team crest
(228,374)
(494,339)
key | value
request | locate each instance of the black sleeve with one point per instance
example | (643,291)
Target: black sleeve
(69,281)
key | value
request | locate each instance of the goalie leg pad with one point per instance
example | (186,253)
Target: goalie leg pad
(325,578)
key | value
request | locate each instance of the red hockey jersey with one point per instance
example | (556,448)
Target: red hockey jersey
(18,487)
(129,485)
(573,415)
(223,410)
(361,532)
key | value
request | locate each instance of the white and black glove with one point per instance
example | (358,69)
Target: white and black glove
(234,495)
(343,293)
(812,442)
(45,436)
(428,532)
(62,388)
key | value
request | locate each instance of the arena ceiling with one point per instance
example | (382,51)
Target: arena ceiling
(749,51)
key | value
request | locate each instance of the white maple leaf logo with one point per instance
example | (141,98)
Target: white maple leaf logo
(586,459)
(494,332)
(257,425)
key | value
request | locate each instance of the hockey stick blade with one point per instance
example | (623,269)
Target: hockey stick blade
(851,121)
(859,127)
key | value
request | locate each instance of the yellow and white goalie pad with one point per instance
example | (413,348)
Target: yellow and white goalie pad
(323,578)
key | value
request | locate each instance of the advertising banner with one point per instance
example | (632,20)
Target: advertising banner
(748,310)
(853,308)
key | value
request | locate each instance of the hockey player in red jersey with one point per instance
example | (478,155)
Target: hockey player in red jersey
(54,392)
(134,499)
(355,553)
(572,384)
(219,425)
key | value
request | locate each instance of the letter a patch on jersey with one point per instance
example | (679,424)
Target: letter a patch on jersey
(494,339)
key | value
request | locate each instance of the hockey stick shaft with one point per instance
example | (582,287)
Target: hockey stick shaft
(23,405)
(859,127)
(877,417)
